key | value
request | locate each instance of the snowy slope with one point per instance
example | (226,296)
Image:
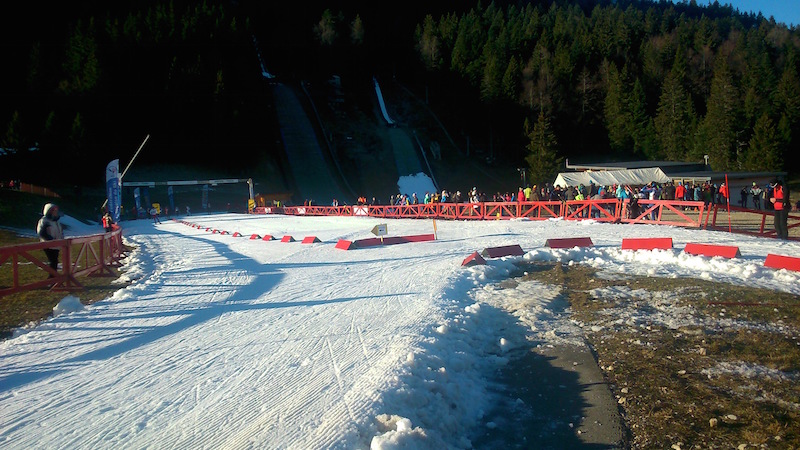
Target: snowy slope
(223,342)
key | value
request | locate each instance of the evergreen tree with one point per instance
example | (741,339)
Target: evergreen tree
(428,43)
(81,66)
(720,122)
(674,115)
(357,31)
(764,151)
(326,28)
(511,80)
(13,140)
(542,156)
(787,100)
(615,110)
(641,129)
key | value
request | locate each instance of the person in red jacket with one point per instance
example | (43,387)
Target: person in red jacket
(724,194)
(781,204)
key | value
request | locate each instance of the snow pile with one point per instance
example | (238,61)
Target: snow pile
(74,227)
(415,184)
(750,371)
(674,264)
(68,304)
(397,433)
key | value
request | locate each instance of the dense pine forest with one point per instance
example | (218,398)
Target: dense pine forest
(539,81)
(630,79)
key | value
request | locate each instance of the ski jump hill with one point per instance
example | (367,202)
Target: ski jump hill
(312,173)
(406,154)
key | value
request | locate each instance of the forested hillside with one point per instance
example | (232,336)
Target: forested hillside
(630,79)
(89,87)
(528,80)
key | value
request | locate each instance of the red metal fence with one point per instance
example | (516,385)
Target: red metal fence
(659,212)
(747,221)
(678,213)
(90,255)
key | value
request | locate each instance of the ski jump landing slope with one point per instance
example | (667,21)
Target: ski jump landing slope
(405,153)
(310,170)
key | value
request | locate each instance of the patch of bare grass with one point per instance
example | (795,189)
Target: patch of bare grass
(693,363)
(23,308)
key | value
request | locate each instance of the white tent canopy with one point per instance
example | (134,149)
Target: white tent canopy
(636,177)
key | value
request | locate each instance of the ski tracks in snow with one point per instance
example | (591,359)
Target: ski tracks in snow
(220,345)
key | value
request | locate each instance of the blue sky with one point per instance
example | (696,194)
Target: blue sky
(786,11)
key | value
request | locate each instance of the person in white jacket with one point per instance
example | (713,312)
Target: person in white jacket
(50,229)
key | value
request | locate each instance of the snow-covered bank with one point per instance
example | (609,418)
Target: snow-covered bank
(234,343)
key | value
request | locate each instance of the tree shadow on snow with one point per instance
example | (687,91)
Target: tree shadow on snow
(148,304)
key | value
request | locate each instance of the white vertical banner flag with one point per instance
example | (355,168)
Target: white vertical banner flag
(113,189)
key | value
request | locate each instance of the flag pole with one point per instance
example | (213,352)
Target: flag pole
(129,165)
(728,198)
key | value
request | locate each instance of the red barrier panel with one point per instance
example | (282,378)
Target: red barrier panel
(361,210)
(598,210)
(540,210)
(419,238)
(646,243)
(470,211)
(724,251)
(310,240)
(223,232)
(254,237)
(236,234)
(474,259)
(267,237)
(666,212)
(782,262)
(371,242)
(501,210)
(287,239)
(345,245)
(569,242)
(499,252)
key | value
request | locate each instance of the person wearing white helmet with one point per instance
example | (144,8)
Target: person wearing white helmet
(50,229)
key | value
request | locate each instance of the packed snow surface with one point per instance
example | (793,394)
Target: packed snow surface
(223,342)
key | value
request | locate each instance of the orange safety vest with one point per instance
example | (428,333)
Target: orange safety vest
(778,195)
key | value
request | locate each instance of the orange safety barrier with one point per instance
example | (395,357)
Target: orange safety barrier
(90,255)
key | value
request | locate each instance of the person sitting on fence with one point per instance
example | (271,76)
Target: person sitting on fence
(50,229)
